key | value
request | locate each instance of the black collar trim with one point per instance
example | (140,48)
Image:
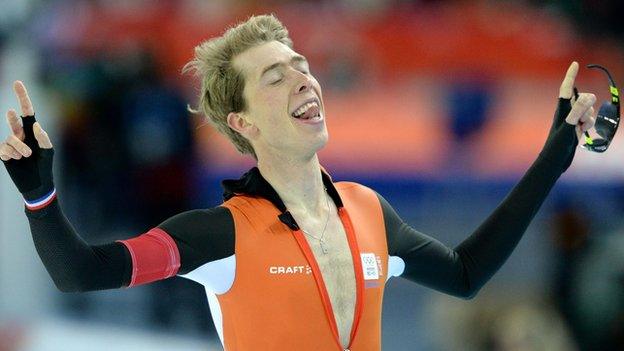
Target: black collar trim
(253,183)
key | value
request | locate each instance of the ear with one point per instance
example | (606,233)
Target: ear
(238,121)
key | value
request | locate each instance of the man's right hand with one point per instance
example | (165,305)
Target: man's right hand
(27,152)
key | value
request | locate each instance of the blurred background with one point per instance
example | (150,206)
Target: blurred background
(438,105)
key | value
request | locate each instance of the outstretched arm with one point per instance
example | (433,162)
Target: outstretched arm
(73,264)
(27,154)
(178,245)
(462,271)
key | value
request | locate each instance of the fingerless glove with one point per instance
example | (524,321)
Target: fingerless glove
(33,175)
(561,143)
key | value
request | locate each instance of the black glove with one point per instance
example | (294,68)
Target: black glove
(32,175)
(561,143)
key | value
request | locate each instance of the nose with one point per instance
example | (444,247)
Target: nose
(304,84)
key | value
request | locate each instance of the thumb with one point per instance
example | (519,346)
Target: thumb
(42,137)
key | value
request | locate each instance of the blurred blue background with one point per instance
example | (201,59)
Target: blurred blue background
(440,106)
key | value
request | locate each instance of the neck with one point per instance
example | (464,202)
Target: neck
(298,182)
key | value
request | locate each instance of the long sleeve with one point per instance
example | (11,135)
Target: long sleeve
(462,271)
(177,245)
(73,264)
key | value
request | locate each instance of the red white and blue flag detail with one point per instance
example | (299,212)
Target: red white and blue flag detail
(41,202)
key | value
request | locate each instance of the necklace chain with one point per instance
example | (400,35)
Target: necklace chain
(322,238)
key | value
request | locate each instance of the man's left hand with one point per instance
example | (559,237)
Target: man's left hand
(583,116)
(571,115)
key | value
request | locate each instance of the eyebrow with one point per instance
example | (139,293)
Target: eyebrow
(296,58)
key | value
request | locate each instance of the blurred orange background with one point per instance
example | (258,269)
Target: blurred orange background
(392,116)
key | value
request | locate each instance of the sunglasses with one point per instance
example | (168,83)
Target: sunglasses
(607,120)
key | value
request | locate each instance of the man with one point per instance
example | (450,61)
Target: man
(290,260)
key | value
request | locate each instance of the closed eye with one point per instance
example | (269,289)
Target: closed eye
(304,69)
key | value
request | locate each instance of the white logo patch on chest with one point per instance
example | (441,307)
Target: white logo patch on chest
(369,266)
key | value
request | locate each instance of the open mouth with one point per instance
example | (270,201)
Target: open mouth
(308,110)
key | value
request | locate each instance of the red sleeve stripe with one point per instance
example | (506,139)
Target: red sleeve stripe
(155,256)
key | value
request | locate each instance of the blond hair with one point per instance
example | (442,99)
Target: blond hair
(221,84)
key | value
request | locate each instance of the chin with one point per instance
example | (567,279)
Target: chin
(323,138)
(314,147)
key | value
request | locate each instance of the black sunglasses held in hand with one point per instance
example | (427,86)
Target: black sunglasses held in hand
(607,120)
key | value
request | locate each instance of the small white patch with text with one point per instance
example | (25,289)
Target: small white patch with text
(369,266)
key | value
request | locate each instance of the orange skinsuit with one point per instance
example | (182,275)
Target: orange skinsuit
(292,310)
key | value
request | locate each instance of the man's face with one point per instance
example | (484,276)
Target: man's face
(284,102)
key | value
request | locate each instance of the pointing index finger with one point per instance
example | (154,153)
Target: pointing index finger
(24,100)
(566,89)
